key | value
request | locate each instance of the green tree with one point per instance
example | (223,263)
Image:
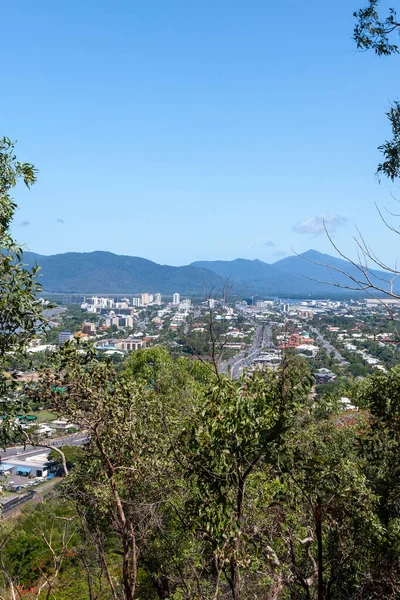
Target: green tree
(379,444)
(72,456)
(241,424)
(20,309)
(379,394)
(331,510)
(47,553)
(375,32)
(127,473)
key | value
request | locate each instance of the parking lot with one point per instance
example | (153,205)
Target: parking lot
(23,482)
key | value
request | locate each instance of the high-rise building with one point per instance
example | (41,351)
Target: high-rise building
(112,320)
(157,298)
(136,301)
(126,321)
(176,298)
(145,299)
(89,328)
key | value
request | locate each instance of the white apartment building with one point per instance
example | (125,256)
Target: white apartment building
(102,302)
(112,320)
(145,299)
(121,305)
(176,298)
(95,304)
(185,304)
(119,320)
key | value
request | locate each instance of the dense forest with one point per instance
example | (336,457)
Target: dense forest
(196,486)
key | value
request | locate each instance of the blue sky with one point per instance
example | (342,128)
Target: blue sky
(183,131)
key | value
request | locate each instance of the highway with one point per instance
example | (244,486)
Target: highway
(261,340)
(21,452)
(241,356)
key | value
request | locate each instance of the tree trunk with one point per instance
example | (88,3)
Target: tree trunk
(318,533)
(129,564)
(235,579)
(276,588)
(234,565)
(162,587)
(127,533)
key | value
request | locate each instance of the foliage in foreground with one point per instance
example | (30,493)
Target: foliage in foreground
(193,486)
(20,309)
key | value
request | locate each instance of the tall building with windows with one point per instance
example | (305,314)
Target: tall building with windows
(89,328)
(157,299)
(145,299)
(126,321)
(136,302)
(176,298)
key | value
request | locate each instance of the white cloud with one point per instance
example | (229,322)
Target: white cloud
(319,223)
(60,221)
(269,244)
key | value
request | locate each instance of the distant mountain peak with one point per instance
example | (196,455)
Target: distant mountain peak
(314,255)
(311,252)
(303,274)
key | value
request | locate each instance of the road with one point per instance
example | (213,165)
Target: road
(20,452)
(327,345)
(267,343)
(262,339)
(41,492)
(241,356)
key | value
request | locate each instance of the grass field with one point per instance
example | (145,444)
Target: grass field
(44,416)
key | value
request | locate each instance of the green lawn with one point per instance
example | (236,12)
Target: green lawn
(44,416)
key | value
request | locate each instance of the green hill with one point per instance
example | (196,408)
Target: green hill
(104,272)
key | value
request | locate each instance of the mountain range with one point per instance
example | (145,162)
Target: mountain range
(309,274)
(108,273)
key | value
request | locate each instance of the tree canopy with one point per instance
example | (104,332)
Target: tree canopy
(379,34)
(20,308)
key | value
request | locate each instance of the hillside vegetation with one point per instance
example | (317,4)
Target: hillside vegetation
(196,486)
(311,273)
